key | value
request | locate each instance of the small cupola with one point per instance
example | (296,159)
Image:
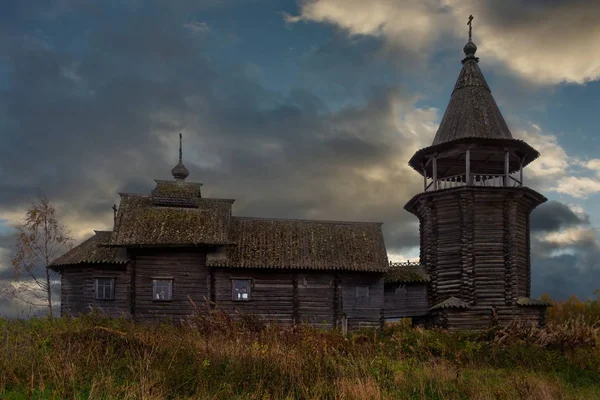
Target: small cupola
(180,172)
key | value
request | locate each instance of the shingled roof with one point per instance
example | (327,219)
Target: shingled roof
(140,222)
(450,302)
(304,244)
(91,252)
(472,111)
(176,193)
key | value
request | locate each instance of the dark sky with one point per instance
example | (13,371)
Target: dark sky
(307,109)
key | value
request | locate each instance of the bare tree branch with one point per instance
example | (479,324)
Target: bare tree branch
(41,237)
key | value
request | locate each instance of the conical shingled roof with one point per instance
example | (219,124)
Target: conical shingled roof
(472,111)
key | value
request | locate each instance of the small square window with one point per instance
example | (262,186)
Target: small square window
(362,294)
(162,289)
(401,290)
(241,289)
(105,288)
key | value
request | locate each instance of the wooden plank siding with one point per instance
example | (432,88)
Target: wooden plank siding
(186,267)
(318,298)
(362,314)
(271,293)
(405,300)
(78,289)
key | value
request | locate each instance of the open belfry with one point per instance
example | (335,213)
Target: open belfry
(474,211)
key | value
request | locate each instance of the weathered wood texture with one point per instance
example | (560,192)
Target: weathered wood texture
(271,293)
(482,317)
(78,289)
(318,298)
(405,300)
(361,313)
(475,244)
(186,267)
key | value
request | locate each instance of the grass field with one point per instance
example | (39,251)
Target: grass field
(215,357)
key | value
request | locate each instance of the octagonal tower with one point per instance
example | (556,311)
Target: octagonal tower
(474,212)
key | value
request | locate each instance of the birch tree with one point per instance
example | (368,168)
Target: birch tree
(40,239)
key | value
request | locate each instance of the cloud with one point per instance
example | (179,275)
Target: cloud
(553,216)
(197,27)
(544,42)
(555,170)
(579,187)
(106,120)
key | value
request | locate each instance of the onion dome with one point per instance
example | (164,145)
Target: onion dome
(470,49)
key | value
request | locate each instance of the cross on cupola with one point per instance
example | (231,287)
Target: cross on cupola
(474,210)
(473,145)
(470,23)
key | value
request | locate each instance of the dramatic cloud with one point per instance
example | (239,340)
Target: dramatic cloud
(555,170)
(539,40)
(106,120)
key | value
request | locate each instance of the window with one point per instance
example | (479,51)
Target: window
(162,289)
(362,294)
(105,288)
(241,289)
(401,290)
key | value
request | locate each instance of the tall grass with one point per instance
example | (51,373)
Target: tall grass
(212,356)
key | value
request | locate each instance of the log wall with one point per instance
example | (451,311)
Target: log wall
(319,298)
(475,244)
(78,289)
(271,294)
(186,267)
(483,317)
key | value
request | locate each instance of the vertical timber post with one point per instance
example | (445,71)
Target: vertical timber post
(468,167)
(424,176)
(521,171)
(434,166)
(506,167)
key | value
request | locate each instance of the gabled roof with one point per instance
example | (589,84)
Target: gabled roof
(472,111)
(406,273)
(451,302)
(142,223)
(90,252)
(304,244)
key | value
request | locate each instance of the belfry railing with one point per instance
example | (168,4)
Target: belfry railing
(489,180)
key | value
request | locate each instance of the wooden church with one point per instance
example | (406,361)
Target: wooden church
(173,249)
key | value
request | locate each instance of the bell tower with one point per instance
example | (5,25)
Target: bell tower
(474,211)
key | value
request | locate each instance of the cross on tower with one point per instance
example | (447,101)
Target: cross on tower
(470,23)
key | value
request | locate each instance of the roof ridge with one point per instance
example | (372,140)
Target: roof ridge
(125,194)
(310,220)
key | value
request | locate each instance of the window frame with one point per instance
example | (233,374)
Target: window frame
(363,300)
(250,287)
(155,280)
(111,288)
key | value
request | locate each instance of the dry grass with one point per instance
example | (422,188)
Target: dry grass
(213,356)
